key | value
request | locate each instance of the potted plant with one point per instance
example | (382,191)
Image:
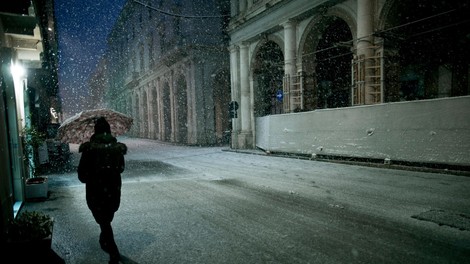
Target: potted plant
(30,235)
(32,139)
(35,186)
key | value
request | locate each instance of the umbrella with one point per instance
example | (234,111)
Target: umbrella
(80,127)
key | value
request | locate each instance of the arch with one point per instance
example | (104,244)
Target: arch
(348,16)
(326,61)
(316,26)
(385,12)
(264,39)
(267,72)
(426,49)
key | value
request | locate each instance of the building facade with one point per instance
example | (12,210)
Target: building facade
(168,68)
(29,94)
(355,78)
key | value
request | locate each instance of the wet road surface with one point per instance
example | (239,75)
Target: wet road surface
(206,205)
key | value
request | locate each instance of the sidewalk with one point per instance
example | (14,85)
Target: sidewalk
(433,168)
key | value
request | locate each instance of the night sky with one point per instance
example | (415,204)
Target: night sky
(83,27)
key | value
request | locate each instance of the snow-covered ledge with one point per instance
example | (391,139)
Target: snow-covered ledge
(430,131)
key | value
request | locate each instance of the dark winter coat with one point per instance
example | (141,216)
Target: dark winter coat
(100,167)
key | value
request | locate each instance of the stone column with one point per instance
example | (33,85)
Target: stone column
(365,42)
(192,107)
(128,106)
(245,137)
(172,106)
(151,110)
(244,88)
(290,51)
(134,113)
(140,112)
(235,90)
(160,121)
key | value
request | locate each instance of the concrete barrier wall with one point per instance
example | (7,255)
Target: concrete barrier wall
(431,131)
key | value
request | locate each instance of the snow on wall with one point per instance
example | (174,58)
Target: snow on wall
(432,131)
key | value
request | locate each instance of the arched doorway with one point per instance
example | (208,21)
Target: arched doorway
(427,49)
(181,110)
(333,65)
(268,72)
(221,104)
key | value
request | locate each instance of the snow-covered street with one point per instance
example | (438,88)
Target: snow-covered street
(208,205)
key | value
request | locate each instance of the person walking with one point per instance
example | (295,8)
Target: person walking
(100,168)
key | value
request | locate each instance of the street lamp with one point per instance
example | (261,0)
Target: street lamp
(19,81)
(17,71)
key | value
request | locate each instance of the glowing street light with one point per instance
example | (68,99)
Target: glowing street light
(17,71)
(19,81)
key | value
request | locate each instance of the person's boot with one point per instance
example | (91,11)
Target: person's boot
(113,252)
(104,246)
(114,258)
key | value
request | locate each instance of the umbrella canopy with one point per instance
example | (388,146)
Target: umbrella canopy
(80,127)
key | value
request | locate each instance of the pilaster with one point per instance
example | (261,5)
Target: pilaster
(365,44)
(290,50)
(245,88)
(235,90)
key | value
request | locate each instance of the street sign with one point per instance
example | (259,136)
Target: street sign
(279,95)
